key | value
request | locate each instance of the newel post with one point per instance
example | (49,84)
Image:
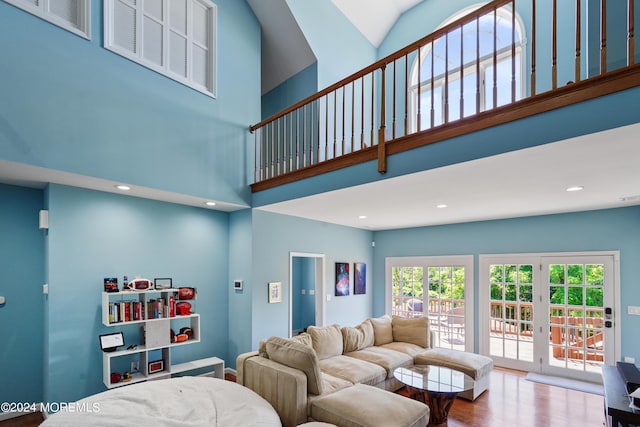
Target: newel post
(382,147)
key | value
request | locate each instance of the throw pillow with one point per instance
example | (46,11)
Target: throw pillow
(299,356)
(352,339)
(414,330)
(303,338)
(368,335)
(383,334)
(327,340)
(262,349)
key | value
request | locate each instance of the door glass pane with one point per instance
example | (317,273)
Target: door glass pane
(511,311)
(576,339)
(446,306)
(407,298)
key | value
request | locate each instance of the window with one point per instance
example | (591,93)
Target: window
(72,15)
(446,73)
(175,38)
(440,288)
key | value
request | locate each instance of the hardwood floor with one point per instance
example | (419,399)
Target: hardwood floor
(512,401)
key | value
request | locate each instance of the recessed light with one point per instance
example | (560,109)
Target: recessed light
(442,206)
(210,203)
(362,217)
(123,187)
(575,188)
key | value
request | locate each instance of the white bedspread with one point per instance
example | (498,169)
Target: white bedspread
(185,401)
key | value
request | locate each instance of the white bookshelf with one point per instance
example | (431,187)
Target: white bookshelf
(154,336)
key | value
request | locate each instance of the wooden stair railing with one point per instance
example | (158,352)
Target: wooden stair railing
(379,110)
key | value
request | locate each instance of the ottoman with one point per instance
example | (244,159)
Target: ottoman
(366,406)
(476,366)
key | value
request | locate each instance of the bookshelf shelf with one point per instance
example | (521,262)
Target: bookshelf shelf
(154,312)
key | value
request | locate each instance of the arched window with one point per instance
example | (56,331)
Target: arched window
(453,77)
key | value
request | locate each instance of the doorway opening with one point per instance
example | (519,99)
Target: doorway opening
(306,288)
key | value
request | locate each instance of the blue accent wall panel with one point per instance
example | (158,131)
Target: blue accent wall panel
(21,280)
(295,89)
(71,105)
(94,235)
(603,230)
(275,236)
(240,268)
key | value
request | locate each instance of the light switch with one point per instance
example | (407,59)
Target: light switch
(328,297)
(312,292)
(2,300)
(303,291)
(633,310)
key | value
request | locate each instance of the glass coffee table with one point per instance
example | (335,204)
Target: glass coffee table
(436,386)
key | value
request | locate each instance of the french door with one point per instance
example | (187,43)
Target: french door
(552,314)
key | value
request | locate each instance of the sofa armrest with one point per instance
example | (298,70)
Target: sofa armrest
(283,387)
(240,365)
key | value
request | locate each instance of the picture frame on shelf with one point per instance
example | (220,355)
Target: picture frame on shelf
(275,292)
(156,366)
(163,283)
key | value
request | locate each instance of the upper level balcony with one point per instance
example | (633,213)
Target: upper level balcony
(505,61)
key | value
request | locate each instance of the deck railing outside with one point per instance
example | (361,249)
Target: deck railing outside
(484,60)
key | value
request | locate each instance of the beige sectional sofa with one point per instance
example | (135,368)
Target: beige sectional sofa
(311,374)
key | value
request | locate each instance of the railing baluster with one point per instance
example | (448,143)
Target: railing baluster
(362,113)
(289,139)
(393,120)
(326,124)
(419,118)
(461,71)
(554,45)
(372,105)
(478,77)
(297,139)
(382,152)
(533,47)
(513,51)
(495,58)
(603,36)
(343,128)
(432,113)
(631,37)
(335,123)
(578,44)
(406,94)
(446,78)
(353,113)
(304,135)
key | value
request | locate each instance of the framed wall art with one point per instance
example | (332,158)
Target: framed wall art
(275,292)
(359,278)
(342,279)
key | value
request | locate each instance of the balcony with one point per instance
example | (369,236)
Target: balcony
(502,62)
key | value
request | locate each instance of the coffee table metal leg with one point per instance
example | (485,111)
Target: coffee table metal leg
(439,405)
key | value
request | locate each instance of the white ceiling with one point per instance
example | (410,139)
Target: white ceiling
(522,183)
(374,18)
(37,177)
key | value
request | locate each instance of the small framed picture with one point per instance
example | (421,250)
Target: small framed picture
(156,366)
(163,283)
(237,285)
(275,292)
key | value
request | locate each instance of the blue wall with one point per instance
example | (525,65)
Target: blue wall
(604,230)
(304,305)
(22,276)
(293,90)
(69,104)
(274,237)
(93,235)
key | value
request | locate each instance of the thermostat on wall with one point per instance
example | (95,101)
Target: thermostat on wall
(237,285)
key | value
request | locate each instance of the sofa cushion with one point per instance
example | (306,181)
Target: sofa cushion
(472,364)
(382,331)
(326,340)
(404,347)
(353,370)
(366,406)
(357,338)
(299,356)
(387,358)
(331,384)
(303,338)
(414,330)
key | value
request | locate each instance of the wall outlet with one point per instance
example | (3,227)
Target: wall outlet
(630,359)
(134,366)
(633,310)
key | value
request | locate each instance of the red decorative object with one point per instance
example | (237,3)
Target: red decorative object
(186,293)
(115,377)
(183,308)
